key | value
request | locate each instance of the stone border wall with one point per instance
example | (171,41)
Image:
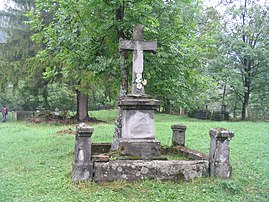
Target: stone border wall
(93,163)
(133,170)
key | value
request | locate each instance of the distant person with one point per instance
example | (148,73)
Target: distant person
(4,114)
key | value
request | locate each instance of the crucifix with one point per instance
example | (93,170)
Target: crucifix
(138,46)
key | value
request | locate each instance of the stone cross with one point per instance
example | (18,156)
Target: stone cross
(138,46)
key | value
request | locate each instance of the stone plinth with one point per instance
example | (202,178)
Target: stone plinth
(145,149)
(162,170)
(82,167)
(138,136)
(138,117)
(219,156)
(178,137)
(139,102)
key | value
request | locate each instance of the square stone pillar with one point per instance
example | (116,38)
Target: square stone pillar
(138,135)
(82,168)
(219,156)
(178,137)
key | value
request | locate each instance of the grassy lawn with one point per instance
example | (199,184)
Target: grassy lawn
(36,163)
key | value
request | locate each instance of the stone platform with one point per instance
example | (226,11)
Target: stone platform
(94,162)
(133,170)
(105,169)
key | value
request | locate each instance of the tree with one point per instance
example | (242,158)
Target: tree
(78,43)
(84,36)
(244,49)
(17,60)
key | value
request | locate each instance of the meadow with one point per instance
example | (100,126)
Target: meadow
(36,163)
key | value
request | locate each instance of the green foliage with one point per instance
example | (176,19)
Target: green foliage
(19,67)
(242,61)
(199,52)
(36,163)
(84,36)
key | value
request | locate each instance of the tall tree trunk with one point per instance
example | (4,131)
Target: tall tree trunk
(124,83)
(247,69)
(245,106)
(223,105)
(82,107)
(234,110)
(45,95)
(182,111)
(167,106)
(247,87)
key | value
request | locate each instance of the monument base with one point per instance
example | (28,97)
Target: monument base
(138,139)
(141,149)
(138,117)
(82,171)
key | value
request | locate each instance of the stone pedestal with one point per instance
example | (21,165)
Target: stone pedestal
(138,137)
(178,138)
(219,156)
(82,167)
(145,149)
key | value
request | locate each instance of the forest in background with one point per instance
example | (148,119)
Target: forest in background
(64,54)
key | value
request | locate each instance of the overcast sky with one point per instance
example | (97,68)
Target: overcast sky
(3,3)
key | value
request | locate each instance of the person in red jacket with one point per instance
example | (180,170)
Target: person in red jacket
(4,114)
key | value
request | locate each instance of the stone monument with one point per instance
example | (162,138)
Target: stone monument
(178,138)
(138,137)
(219,155)
(82,167)
(139,153)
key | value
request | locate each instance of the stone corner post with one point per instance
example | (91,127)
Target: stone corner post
(219,155)
(82,167)
(178,137)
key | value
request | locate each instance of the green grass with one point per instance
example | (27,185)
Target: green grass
(36,163)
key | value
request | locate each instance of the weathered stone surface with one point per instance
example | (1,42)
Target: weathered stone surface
(190,153)
(100,148)
(220,133)
(178,137)
(138,124)
(138,46)
(219,156)
(139,103)
(82,166)
(117,131)
(100,157)
(82,171)
(82,150)
(132,45)
(137,170)
(146,149)
(181,170)
(179,127)
(138,108)
(124,170)
(84,130)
